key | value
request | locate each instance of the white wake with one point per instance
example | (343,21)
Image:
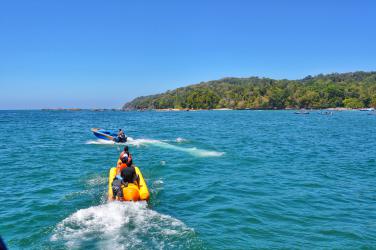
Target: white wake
(193,151)
(138,142)
(120,225)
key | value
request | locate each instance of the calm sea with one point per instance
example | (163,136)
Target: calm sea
(218,180)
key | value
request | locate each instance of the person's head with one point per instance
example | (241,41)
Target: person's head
(119,129)
(124,158)
(126,149)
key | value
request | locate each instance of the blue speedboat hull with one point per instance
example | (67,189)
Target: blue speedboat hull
(104,134)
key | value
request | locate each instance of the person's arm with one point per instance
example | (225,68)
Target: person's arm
(118,169)
(119,174)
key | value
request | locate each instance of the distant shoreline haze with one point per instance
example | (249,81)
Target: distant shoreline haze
(336,90)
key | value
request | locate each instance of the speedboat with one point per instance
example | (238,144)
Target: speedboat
(109,135)
(133,191)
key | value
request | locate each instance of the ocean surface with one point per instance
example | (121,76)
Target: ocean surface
(218,180)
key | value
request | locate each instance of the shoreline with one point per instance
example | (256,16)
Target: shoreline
(252,109)
(193,110)
(79,109)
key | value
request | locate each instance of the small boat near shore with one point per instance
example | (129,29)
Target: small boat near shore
(109,135)
(131,192)
(301,112)
(367,109)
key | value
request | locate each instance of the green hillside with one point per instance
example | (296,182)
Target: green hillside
(351,90)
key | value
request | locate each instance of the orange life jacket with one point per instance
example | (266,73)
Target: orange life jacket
(121,167)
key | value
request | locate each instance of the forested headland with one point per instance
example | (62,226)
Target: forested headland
(349,90)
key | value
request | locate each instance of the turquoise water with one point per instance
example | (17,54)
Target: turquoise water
(218,179)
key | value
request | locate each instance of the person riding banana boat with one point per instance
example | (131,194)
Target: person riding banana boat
(125,151)
(125,181)
(125,175)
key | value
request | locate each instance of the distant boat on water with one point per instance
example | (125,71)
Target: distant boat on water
(367,109)
(326,113)
(301,112)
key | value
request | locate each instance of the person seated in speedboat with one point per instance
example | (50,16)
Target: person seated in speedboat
(121,136)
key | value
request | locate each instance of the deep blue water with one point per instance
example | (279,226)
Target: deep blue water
(218,179)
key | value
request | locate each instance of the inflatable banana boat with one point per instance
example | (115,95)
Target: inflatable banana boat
(132,192)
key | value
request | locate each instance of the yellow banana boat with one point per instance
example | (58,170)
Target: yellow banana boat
(133,192)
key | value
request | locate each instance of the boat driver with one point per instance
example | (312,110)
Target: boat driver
(121,136)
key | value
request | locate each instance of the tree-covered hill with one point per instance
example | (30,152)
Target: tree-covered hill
(352,90)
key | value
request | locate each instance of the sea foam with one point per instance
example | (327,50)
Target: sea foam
(193,151)
(179,139)
(139,142)
(100,142)
(120,225)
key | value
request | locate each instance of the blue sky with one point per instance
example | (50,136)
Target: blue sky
(103,53)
